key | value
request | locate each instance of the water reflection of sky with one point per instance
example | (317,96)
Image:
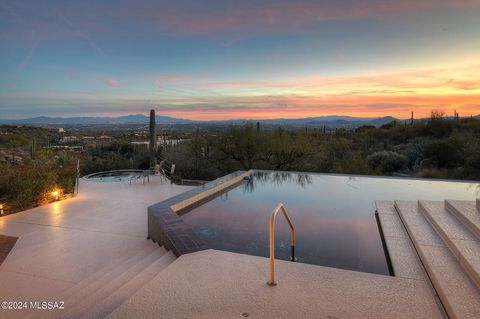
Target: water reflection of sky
(333,215)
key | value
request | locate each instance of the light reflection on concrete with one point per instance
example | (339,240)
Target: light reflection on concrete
(64,242)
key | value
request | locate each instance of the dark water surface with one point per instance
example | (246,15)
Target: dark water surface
(333,215)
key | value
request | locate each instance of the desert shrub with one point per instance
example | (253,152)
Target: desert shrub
(354,164)
(413,152)
(26,186)
(387,161)
(443,153)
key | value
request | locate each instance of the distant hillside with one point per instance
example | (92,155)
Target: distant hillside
(341,120)
(137,118)
(335,120)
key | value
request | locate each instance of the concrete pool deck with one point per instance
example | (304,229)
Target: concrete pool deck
(90,252)
(66,242)
(217,284)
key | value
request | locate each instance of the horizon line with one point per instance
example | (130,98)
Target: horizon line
(223,120)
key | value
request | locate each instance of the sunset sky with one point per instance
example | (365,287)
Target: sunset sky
(202,59)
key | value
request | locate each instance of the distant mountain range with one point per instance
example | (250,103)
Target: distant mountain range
(137,118)
(335,120)
(140,118)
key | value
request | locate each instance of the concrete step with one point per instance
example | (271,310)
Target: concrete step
(403,256)
(458,294)
(468,212)
(104,287)
(462,243)
(91,283)
(114,300)
(80,286)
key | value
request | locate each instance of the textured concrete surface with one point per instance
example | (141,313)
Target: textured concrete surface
(63,243)
(458,293)
(107,305)
(467,212)
(462,243)
(404,259)
(216,284)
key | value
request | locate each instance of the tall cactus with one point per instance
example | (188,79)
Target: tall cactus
(153,139)
(33,149)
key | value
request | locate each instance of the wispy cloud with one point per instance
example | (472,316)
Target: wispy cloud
(112,82)
(279,16)
(81,34)
(280,58)
(240,19)
(28,57)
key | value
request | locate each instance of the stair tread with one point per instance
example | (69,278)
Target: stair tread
(467,212)
(95,283)
(403,257)
(415,223)
(106,270)
(449,223)
(109,304)
(463,244)
(459,295)
(91,283)
(111,283)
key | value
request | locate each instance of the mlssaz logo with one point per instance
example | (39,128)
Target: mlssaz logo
(47,305)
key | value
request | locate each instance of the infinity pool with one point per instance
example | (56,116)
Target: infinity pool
(333,215)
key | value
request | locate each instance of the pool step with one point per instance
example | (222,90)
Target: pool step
(86,284)
(92,283)
(457,291)
(468,212)
(115,299)
(404,260)
(462,243)
(103,291)
(107,284)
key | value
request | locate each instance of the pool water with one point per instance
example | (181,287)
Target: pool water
(113,176)
(333,215)
(119,178)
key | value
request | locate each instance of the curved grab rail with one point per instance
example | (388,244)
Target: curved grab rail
(281,207)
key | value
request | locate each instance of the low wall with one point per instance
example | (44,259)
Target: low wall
(167,228)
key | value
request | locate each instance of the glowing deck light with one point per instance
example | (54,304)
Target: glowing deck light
(1,209)
(56,194)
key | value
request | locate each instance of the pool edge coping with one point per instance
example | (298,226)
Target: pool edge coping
(167,228)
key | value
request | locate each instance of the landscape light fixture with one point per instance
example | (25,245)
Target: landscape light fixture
(56,194)
(1,209)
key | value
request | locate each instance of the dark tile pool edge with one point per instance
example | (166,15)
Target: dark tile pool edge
(167,228)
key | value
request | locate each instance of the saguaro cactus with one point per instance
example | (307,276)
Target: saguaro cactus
(33,149)
(153,139)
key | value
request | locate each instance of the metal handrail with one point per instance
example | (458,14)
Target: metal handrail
(280,206)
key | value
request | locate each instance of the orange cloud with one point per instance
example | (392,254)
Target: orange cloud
(389,93)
